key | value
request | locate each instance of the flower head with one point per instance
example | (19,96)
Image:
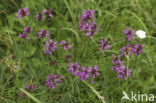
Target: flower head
(27,29)
(130,34)
(53,80)
(39,16)
(43,33)
(66,45)
(74,68)
(93,72)
(120,68)
(141,34)
(128,50)
(138,49)
(87,23)
(24,35)
(23,12)
(104,44)
(50,46)
(92,30)
(48,13)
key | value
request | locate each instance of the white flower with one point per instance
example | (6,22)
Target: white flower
(141,34)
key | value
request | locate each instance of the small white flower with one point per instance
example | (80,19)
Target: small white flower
(141,34)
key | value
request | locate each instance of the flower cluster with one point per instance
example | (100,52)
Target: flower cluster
(130,49)
(84,73)
(31,88)
(53,80)
(24,35)
(50,46)
(23,12)
(39,16)
(141,34)
(47,13)
(87,23)
(120,68)
(43,33)
(104,44)
(65,45)
(130,34)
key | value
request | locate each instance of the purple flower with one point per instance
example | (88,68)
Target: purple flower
(87,23)
(24,36)
(120,68)
(66,45)
(130,34)
(93,71)
(43,33)
(84,74)
(105,44)
(23,12)
(138,49)
(92,30)
(39,16)
(67,57)
(128,50)
(50,46)
(31,88)
(74,68)
(53,80)
(27,29)
(87,15)
(48,13)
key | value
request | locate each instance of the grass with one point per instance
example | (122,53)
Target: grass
(113,16)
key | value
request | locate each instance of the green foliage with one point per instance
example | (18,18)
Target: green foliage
(113,16)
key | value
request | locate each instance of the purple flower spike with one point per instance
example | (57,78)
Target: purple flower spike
(84,74)
(87,23)
(92,30)
(43,33)
(23,12)
(74,68)
(138,49)
(48,13)
(53,80)
(39,16)
(130,34)
(120,68)
(50,46)
(104,44)
(66,45)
